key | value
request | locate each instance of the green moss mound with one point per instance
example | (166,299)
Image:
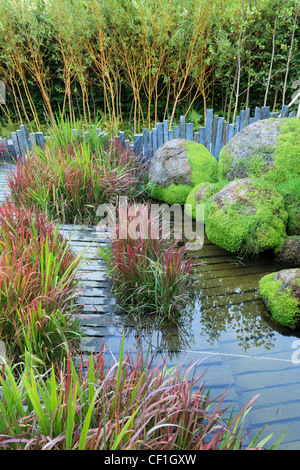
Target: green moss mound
(210,190)
(253,223)
(174,194)
(290,191)
(287,153)
(285,156)
(204,165)
(282,305)
(204,168)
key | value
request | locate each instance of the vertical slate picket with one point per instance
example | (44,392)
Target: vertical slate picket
(160,134)
(202,135)
(230,132)
(40,140)
(242,119)
(247,117)
(170,134)
(23,143)
(257,114)
(11,150)
(189,132)
(219,137)
(208,128)
(138,144)
(292,114)
(225,134)
(166,125)
(237,124)
(251,120)
(145,144)
(214,134)
(265,112)
(196,137)
(154,140)
(274,115)
(4,149)
(121,135)
(31,141)
(15,143)
(177,132)
(182,127)
(284,111)
(150,146)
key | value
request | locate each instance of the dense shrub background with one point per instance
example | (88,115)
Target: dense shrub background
(133,62)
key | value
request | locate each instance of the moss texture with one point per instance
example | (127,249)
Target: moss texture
(210,190)
(283,307)
(174,194)
(290,190)
(251,226)
(285,155)
(204,168)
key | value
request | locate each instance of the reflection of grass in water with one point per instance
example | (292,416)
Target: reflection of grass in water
(164,339)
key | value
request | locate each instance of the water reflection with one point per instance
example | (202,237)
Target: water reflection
(171,340)
(244,320)
(224,304)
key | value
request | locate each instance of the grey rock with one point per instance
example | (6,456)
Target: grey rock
(257,139)
(170,164)
(290,252)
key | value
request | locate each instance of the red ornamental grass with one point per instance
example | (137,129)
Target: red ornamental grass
(38,279)
(149,275)
(126,405)
(70,182)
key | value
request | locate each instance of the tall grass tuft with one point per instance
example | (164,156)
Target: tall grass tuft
(72,176)
(38,285)
(150,274)
(126,405)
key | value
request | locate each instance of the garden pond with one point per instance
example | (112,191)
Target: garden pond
(229,335)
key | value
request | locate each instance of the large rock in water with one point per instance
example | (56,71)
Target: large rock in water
(268,149)
(177,167)
(246,217)
(281,295)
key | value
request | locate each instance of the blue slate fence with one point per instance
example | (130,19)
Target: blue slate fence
(214,135)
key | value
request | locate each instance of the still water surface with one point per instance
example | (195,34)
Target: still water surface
(230,335)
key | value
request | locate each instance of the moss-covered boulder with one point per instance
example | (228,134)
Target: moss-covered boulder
(289,253)
(280,293)
(290,191)
(268,149)
(177,167)
(201,194)
(246,217)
